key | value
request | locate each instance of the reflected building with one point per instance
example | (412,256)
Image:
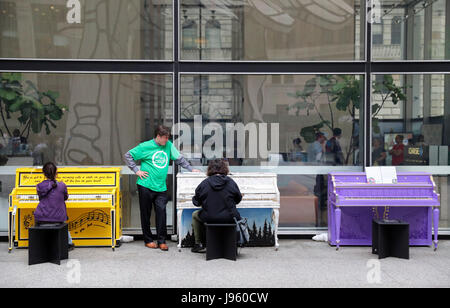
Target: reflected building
(293,67)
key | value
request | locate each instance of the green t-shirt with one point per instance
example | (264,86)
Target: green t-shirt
(155,159)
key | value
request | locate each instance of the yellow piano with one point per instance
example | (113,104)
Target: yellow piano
(94,206)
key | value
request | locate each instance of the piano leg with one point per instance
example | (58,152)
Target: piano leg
(276,217)
(179,216)
(436,227)
(10,231)
(337,214)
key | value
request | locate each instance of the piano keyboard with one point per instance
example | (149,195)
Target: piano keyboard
(72,198)
(387,198)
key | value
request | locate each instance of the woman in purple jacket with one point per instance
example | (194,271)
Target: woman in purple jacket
(51,209)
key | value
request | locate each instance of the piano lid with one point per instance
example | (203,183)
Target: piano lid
(72,176)
(249,183)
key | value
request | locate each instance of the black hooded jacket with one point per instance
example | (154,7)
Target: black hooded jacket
(218,196)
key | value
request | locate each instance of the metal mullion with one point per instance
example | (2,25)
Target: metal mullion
(367,159)
(176,102)
(76,66)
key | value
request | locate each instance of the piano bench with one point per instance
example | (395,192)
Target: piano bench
(221,241)
(390,239)
(48,244)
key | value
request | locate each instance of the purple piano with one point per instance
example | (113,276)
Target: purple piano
(353,203)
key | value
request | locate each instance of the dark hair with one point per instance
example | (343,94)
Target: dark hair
(217,166)
(162,131)
(319,134)
(297,141)
(49,170)
(337,131)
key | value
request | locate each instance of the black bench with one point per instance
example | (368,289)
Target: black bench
(48,243)
(390,238)
(221,241)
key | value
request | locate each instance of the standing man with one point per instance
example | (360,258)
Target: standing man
(397,151)
(334,150)
(317,148)
(155,156)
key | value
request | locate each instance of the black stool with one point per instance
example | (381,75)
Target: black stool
(48,244)
(221,241)
(390,238)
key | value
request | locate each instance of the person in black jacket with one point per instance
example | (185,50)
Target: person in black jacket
(218,195)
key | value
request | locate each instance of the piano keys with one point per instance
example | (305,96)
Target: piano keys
(94,205)
(353,203)
(260,203)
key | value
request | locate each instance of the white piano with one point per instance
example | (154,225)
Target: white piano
(260,205)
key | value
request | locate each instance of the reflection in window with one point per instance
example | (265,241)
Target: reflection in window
(79,119)
(272,30)
(305,119)
(413,133)
(413,25)
(114,29)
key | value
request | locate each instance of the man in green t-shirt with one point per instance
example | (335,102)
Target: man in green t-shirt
(155,156)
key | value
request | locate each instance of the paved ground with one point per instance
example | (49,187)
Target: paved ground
(298,263)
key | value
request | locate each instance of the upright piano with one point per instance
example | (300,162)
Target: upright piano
(260,205)
(353,203)
(94,206)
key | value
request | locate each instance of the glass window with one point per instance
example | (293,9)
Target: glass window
(396,30)
(255,120)
(417,30)
(272,30)
(80,120)
(410,120)
(288,124)
(377,33)
(94,29)
(303,200)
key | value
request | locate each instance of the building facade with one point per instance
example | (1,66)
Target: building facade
(250,80)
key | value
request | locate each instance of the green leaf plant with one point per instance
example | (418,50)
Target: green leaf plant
(36,109)
(343,93)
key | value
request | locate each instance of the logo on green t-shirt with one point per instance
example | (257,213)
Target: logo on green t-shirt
(160,159)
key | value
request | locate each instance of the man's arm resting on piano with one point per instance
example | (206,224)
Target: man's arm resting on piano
(182,162)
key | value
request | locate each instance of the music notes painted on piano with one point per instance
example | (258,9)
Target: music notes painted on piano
(94,204)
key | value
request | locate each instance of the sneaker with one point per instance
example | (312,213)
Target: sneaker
(199,248)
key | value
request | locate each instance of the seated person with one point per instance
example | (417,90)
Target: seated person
(51,209)
(296,154)
(218,195)
(378,153)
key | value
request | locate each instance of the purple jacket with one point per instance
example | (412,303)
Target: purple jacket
(51,207)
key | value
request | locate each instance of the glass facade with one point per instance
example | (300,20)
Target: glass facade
(82,82)
(410,30)
(271,30)
(94,29)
